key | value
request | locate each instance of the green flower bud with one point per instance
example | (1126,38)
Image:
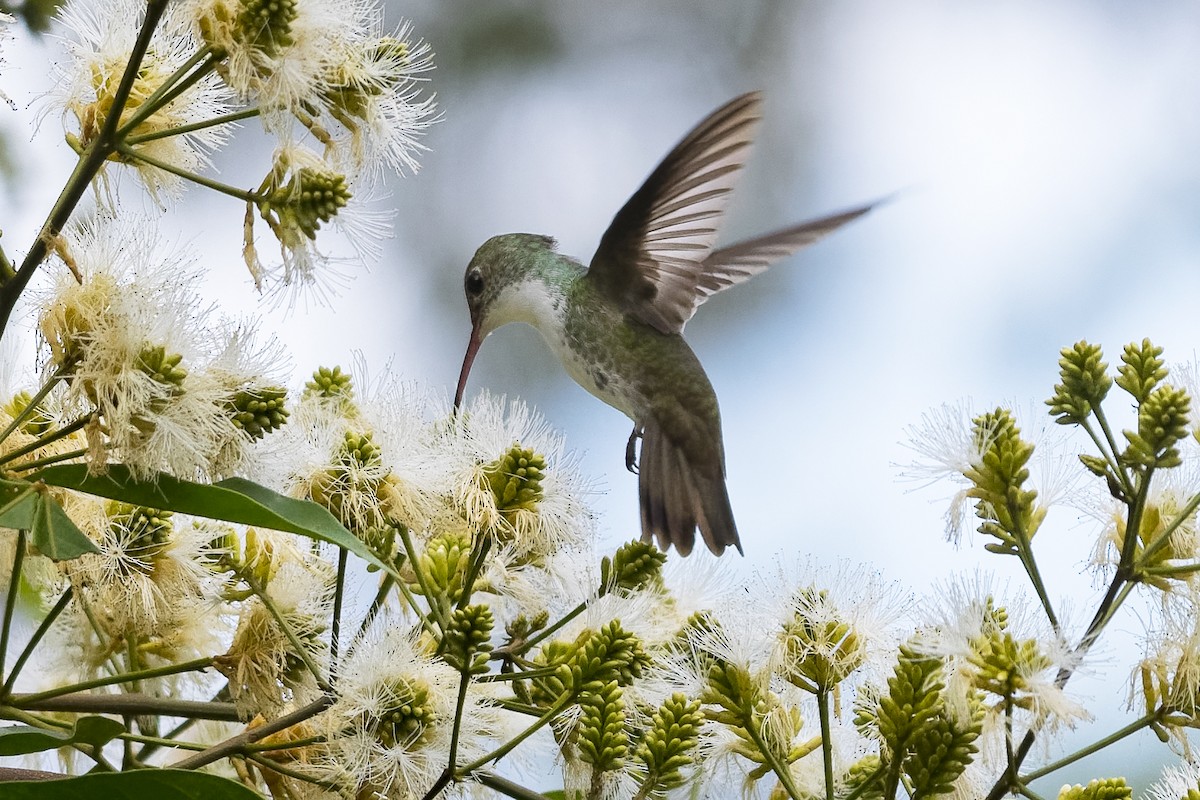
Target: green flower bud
(860,772)
(602,740)
(445,562)
(266,24)
(940,753)
(162,366)
(1162,423)
(296,202)
(1085,383)
(259,411)
(408,717)
(467,638)
(330,383)
(635,565)
(1142,370)
(1007,510)
(665,748)
(1099,789)
(913,698)
(37,423)
(515,479)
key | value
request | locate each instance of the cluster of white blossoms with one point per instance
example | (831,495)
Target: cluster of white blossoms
(384,597)
(340,95)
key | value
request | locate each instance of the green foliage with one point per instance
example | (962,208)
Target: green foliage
(161,784)
(18,740)
(232,500)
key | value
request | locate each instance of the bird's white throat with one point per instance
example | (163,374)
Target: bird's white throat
(532,302)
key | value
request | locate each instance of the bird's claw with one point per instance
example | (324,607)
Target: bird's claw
(631,450)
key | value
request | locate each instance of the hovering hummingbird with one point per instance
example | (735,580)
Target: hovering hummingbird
(617,325)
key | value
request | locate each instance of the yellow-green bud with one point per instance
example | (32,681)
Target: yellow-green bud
(1162,423)
(162,366)
(445,562)
(602,740)
(666,747)
(266,24)
(1099,789)
(330,383)
(1142,369)
(1085,383)
(258,411)
(408,718)
(467,638)
(1007,510)
(632,567)
(308,199)
(515,479)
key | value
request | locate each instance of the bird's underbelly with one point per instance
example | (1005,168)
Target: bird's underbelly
(599,377)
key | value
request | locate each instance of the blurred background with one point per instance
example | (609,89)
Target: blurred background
(1044,160)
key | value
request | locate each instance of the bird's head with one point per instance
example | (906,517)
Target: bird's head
(500,265)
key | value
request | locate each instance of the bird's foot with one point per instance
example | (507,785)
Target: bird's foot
(631,449)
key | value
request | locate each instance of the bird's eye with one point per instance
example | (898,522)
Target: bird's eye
(474,283)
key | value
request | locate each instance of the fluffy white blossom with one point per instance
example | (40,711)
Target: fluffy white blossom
(390,728)
(101,36)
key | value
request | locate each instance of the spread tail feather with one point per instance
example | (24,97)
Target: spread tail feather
(678,496)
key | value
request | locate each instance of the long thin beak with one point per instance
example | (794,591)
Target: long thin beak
(472,349)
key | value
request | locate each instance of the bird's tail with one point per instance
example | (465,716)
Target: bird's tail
(679,495)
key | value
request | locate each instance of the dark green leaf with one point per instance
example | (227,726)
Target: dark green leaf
(16,509)
(232,500)
(53,533)
(160,784)
(18,740)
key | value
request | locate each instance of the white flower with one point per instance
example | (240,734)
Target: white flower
(6,21)
(149,563)
(135,345)
(265,672)
(516,479)
(951,444)
(1180,782)
(371,90)
(102,37)
(391,725)
(300,194)
(833,624)
(1004,647)
(277,52)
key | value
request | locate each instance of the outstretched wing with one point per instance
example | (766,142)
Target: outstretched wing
(734,264)
(651,259)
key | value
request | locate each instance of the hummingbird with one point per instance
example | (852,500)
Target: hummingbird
(617,324)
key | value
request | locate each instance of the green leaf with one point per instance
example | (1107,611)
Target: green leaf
(231,500)
(17,740)
(16,511)
(161,784)
(53,533)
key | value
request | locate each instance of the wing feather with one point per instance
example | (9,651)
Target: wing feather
(657,261)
